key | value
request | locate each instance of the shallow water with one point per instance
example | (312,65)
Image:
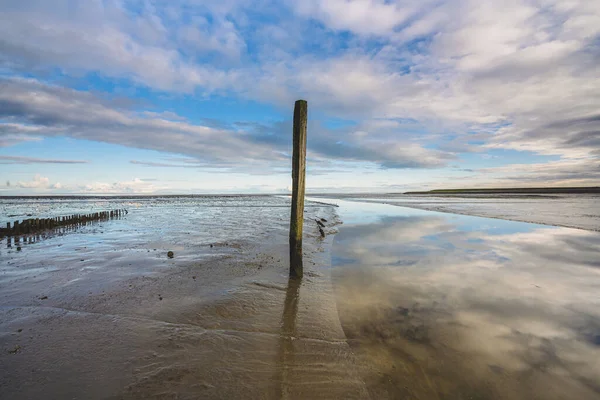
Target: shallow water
(580,211)
(443,306)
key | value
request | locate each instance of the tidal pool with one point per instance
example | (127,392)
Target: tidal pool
(444,306)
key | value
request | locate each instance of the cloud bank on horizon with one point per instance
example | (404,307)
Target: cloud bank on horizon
(183,96)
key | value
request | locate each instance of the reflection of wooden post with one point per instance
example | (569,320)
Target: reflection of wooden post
(286,354)
(298,174)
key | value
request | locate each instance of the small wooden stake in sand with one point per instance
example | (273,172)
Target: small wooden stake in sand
(298,175)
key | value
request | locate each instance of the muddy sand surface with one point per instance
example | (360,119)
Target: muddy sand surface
(99,320)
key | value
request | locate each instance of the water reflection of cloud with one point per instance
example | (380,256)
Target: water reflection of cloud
(376,243)
(462,312)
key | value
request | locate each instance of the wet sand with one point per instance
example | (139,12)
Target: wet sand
(441,306)
(103,319)
(400,304)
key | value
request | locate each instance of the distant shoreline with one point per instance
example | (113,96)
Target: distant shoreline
(557,190)
(521,191)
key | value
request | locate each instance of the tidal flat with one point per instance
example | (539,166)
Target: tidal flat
(101,312)
(396,302)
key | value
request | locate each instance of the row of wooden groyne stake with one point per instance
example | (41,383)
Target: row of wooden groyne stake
(36,225)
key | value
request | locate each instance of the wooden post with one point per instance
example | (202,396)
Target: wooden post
(298,175)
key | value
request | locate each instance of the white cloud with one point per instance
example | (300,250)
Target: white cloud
(101,36)
(518,64)
(522,74)
(561,173)
(136,185)
(81,115)
(7,140)
(359,16)
(38,182)
(222,38)
(34,160)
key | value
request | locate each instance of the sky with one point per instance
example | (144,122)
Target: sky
(192,96)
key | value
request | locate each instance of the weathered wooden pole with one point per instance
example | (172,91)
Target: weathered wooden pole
(298,184)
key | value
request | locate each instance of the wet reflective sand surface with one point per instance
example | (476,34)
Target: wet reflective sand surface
(442,306)
(103,313)
(418,305)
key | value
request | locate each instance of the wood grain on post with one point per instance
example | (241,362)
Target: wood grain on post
(298,185)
